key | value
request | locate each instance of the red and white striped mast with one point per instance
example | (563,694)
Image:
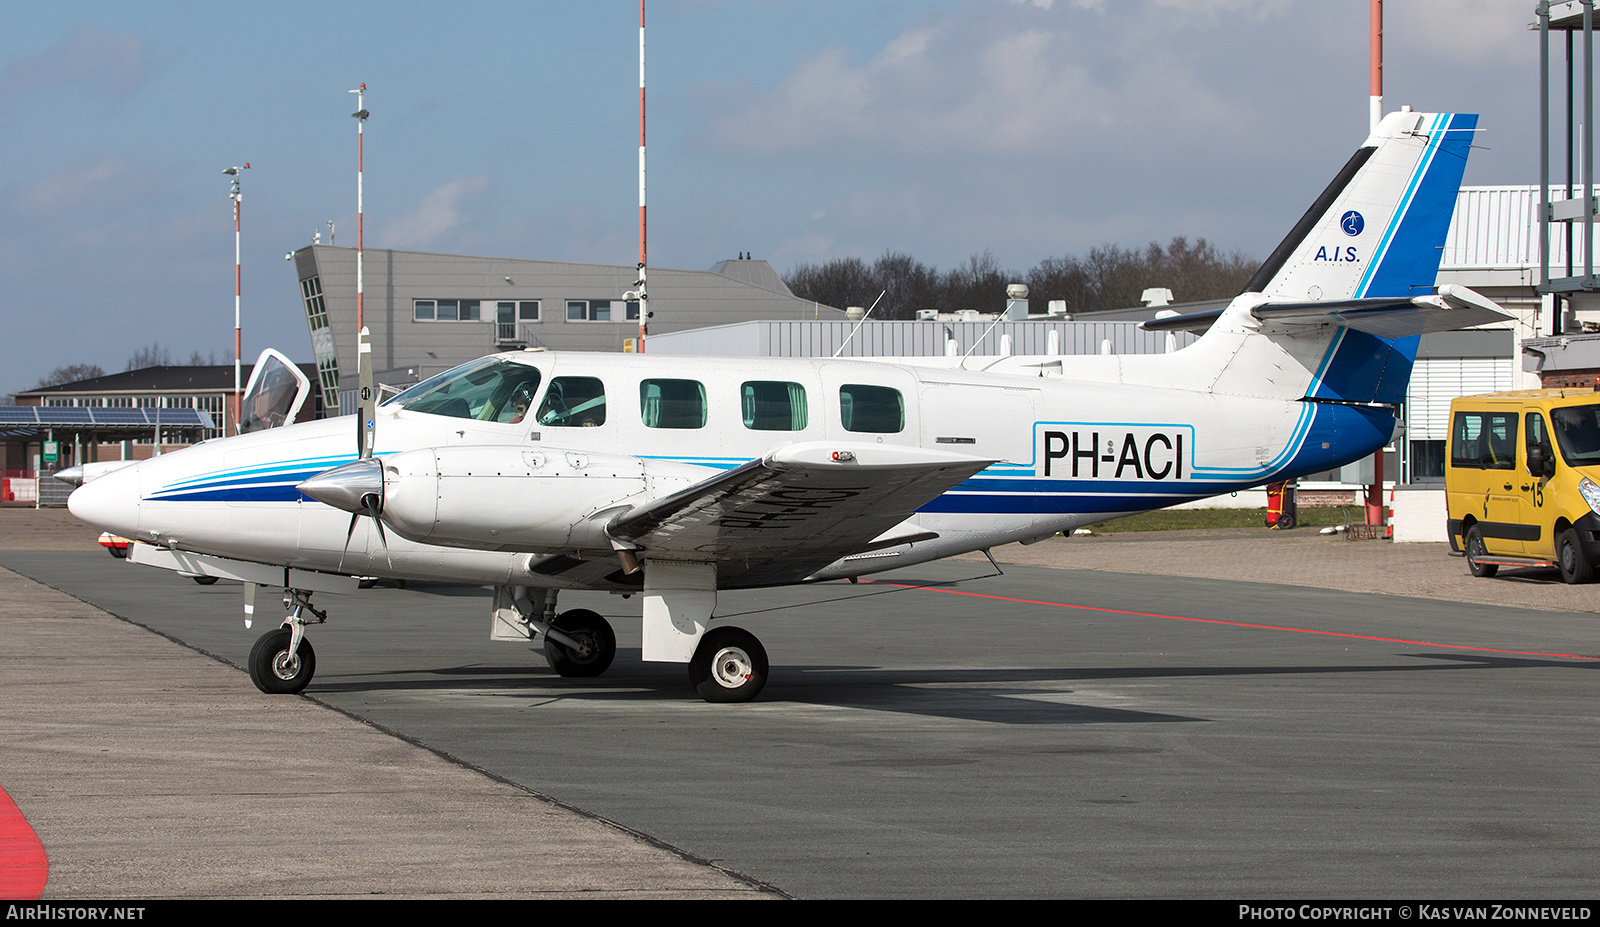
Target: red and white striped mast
(1376,82)
(360,116)
(644,299)
(238,340)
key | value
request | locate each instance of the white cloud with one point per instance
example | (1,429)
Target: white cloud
(71,186)
(112,64)
(1453,30)
(991,85)
(436,214)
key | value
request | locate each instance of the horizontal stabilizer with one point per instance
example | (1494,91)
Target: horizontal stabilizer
(1197,322)
(1453,307)
(799,508)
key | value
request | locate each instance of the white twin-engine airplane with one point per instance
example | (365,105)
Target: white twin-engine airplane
(675,477)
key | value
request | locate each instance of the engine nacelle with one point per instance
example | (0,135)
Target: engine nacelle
(518,498)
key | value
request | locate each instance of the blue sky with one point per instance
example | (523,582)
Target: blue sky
(798,131)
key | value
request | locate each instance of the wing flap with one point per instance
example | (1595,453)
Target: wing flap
(794,510)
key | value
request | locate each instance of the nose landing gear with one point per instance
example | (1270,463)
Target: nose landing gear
(282,661)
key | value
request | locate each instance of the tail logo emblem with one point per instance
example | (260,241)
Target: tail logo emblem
(1352,223)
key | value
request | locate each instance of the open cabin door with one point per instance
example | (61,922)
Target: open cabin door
(276,391)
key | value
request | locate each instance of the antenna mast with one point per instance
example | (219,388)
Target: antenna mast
(360,116)
(238,340)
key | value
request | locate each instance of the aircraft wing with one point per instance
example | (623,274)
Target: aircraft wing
(1453,307)
(784,516)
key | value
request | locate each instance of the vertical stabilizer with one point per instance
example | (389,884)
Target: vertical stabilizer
(1378,229)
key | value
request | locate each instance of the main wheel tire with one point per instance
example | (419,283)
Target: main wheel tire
(273,671)
(203,580)
(1476,551)
(593,632)
(730,665)
(1575,567)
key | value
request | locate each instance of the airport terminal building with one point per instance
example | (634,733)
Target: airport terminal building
(430,312)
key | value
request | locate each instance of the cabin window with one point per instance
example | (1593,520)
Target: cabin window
(770,405)
(1484,440)
(574,402)
(879,409)
(488,390)
(672,403)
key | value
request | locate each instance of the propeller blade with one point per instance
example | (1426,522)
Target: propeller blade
(374,504)
(350,533)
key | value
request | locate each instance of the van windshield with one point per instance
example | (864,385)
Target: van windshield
(1577,430)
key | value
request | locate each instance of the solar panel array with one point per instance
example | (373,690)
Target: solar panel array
(71,416)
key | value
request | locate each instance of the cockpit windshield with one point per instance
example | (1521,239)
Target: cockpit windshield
(1577,430)
(487,390)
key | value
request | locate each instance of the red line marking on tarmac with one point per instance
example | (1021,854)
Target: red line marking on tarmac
(23,866)
(1239,624)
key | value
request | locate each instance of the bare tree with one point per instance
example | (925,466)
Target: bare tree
(980,283)
(151,355)
(907,285)
(1109,277)
(840,283)
(70,374)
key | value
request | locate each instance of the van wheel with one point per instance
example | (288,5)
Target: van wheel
(1574,565)
(1476,552)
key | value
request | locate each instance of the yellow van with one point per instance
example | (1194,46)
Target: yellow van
(1522,481)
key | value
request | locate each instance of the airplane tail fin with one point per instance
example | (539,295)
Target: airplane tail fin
(1378,228)
(1335,312)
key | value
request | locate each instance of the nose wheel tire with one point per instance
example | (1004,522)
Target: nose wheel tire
(730,665)
(598,644)
(274,671)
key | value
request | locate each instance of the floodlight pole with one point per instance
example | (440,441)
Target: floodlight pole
(360,116)
(238,341)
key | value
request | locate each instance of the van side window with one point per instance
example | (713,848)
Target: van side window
(770,405)
(574,402)
(1538,436)
(1484,440)
(672,403)
(878,409)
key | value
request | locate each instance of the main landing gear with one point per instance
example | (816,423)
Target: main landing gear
(580,643)
(282,662)
(729,664)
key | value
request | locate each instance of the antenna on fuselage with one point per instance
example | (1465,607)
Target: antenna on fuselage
(997,320)
(865,316)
